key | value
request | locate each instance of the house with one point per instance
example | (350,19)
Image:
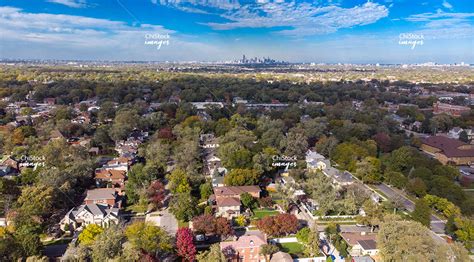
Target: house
(236,191)
(104,196)
(361,243)
(452,110)
(112,176)
(90,214)
(208,141)
(245,248)
(455,132)
(228,207)
(448,150)
(227,199)
(316,161)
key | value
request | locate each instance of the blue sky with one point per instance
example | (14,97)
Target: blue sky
(211,30)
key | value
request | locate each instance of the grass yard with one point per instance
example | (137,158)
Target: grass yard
(295,249)
(261,213)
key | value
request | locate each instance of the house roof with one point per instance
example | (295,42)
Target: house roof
(235,190)
(228,202)
(449,146)
(101,193)
(368,244)
(353,238)
(246,241)
(281,257)
(110,174)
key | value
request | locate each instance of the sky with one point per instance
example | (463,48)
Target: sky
(320,31)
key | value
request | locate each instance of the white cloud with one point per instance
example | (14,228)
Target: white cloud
(447,5)
(43,35)
(301,18)
(444,25)
(70,3)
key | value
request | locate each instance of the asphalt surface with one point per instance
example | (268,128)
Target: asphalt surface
(437,225)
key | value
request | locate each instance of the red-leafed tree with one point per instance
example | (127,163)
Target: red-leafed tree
(287,223)
(279,225)
(184,244)
(383,141)
(156,193)
(204,224)
(223,227)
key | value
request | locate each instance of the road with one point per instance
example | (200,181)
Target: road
(437,225)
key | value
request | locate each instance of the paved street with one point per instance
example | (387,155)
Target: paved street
(437,225)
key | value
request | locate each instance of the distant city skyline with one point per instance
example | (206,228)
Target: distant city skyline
(337,31)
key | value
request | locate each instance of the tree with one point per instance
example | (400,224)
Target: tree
(204,224)
(205,191)
(331,230)
(234,155)
(241,220)
(185,247)
(89,234)
(303,234)
(108,244)
(396,179)
(265,202)
(184,206)
(148,238)
(279,225)
(179,182)
(312,243)
(320,189)
(373,214)
(213,255)
(267,250)
(368,170)
(36,200)
(417,187)
(248,201)
(156,193)
(326,145)
(223,227)
(422,212)
(400,240)
(465,231)
(241,177)
(295,143)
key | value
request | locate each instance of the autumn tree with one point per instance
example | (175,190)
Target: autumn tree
(185,247)
(279,225)
(89,234)
(148,238)
(156,194)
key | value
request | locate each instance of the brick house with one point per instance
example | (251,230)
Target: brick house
(246,248)
(104,196)
(448,150)
(112,176)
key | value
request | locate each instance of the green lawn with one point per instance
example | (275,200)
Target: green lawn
(261,213)
(295,249)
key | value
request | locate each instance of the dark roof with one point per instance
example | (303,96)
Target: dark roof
(449,146)
(368,244)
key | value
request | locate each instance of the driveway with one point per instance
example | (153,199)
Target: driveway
(163,219)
